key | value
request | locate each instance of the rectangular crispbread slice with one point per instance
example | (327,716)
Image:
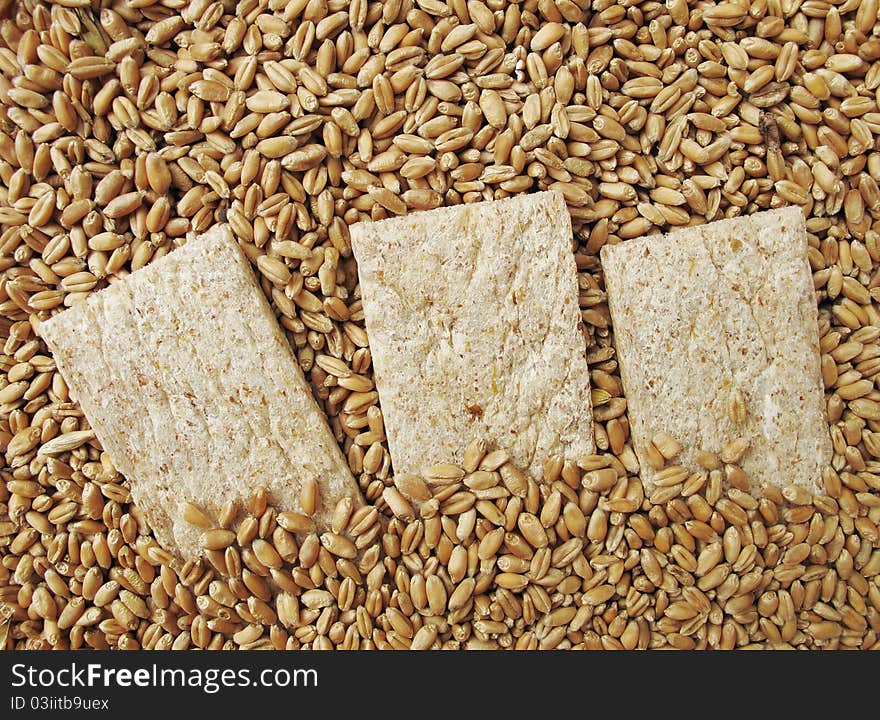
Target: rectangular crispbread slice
(710,311)
(190,385)
(474,326)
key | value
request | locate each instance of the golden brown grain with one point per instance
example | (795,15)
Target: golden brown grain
(292,122)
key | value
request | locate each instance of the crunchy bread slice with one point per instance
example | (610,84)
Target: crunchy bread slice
(474,326)
(713,312)
(190,385)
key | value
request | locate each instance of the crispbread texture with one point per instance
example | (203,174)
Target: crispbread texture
(709,309)
(191,387)
(474,327)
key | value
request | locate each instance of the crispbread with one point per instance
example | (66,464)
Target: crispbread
(192,388)
(474,326)
(711,310)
